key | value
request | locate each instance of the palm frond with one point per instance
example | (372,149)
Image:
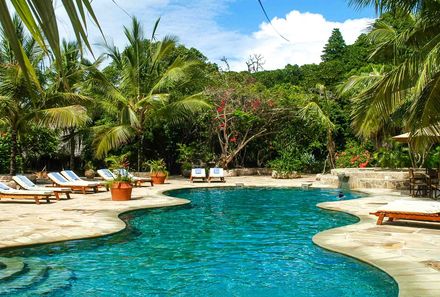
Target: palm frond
(63,117)
(313,111)
(110,137)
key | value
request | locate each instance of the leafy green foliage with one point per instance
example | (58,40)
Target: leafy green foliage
(395,156)
(335,47)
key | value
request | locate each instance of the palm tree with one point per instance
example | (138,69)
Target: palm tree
(71,79)
(413,83)
(40,20)
(147,76)
(24,102)
(315,111)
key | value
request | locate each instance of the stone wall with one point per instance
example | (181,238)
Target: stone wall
(248,171)
(367,178)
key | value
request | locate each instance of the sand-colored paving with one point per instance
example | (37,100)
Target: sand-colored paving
(408,251)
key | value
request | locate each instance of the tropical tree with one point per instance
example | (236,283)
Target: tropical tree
(335,47)
(414,79)
(40,19)
(143,92)
(241,115)
(24,102)
(315,111)
(71,79)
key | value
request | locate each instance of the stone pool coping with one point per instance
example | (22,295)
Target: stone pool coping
(409,252)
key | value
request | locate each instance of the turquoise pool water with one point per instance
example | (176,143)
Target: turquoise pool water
(228,242)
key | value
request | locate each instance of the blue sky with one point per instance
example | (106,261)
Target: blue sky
(246,15)
(235,29)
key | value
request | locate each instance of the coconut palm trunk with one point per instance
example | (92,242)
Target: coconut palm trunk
(72,150)
(14,150)
(331,148)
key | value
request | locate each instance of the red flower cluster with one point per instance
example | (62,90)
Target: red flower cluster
(363,165)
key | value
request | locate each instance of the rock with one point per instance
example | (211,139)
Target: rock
(285,175)
(90,173)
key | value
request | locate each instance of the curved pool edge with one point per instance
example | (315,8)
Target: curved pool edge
(108,222)
(25,224)
(413,276)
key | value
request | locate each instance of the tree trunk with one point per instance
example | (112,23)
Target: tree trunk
(140,153)
(331,147)
(72,150)
(14,149)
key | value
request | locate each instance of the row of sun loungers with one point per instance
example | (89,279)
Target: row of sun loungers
(200,173)
(62,183)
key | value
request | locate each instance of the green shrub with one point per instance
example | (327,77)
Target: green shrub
(290,161)
(395,156)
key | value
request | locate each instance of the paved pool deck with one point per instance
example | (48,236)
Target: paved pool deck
(408,251)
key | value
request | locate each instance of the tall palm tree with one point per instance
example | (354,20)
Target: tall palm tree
(144,90)
(24,102)
(71,79)
(40,20)
(414,80)
(315,111)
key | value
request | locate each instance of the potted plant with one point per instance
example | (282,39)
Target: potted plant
(158,171)
(121,188)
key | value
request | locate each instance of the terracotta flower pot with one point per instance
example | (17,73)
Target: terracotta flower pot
(121,191)
(158,177)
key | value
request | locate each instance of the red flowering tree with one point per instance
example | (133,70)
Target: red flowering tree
(240,115)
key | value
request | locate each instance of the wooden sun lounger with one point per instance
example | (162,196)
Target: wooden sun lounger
(36,197)
(74,187)
(416,216)
(74,178)
(22,180)
(409,210)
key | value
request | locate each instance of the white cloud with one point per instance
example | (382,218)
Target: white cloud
(194,22)
(307,34)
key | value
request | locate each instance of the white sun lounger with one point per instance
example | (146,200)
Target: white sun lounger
(137,180)
(8,192)
(216,173)
(73,177)
(197,173)
(106,174)
(409,210)
(60,181)
(27,184)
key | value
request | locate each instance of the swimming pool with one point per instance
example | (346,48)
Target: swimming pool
(227,242)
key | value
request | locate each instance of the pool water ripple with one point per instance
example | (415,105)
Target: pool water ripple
(229,242)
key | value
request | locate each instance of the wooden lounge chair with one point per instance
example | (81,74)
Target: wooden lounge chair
(60,181)
(8,192)
(409,210)
(216,173)
(138,181)
(199,173)
(73,177)
(25,183)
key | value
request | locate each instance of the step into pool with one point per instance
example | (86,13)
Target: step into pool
(227,242)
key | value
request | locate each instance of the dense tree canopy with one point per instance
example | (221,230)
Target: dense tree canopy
(157,99)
